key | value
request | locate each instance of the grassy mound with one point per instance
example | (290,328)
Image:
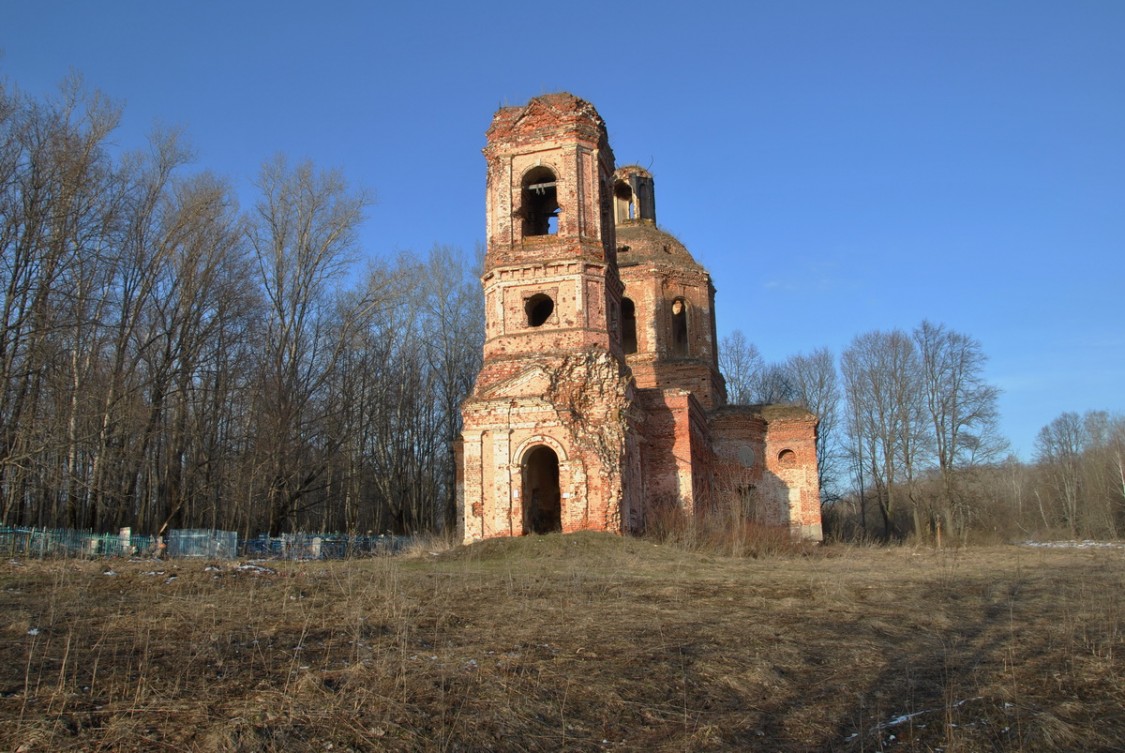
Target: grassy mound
(586,643)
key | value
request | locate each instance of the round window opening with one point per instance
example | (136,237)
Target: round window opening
(539,308)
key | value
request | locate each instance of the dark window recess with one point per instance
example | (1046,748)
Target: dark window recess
(679,327)
(540,203)
(539,308)
(628,326)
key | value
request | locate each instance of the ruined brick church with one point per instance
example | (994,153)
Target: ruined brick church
(600,404)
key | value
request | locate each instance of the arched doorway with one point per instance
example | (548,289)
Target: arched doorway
(542,501)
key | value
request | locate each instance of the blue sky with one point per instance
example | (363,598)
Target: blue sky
(838,166)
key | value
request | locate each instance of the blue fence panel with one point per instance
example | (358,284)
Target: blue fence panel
(60,542)
(202,543)
(306,546)
(39,542)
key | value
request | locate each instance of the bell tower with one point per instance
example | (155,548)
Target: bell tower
(546,430)
(550,280)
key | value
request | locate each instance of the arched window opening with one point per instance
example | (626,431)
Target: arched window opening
(542,500)
(628,326)
(538,308)
(679,327)
(625,202)
(787,459)
(540,203)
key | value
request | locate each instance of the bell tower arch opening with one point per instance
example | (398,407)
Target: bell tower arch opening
(540,202)
(542,497)
(633,199)
(624,203)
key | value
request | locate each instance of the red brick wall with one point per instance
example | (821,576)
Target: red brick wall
(629,434)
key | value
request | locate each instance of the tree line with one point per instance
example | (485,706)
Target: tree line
(169,360)
(909,446)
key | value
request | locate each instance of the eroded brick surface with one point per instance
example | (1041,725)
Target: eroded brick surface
(600,403)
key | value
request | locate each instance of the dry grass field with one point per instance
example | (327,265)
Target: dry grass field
(585,643)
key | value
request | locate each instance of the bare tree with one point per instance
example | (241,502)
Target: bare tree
(139,267)
(1058,449)
(749,378)
(741,365)
(303,235)
(1080,459)
(1101,471)
(59,197)
(453,340)
(961,408)
(1116,454)
(774,384)
(204,286)
(882,386)
(815,385)
(165,361)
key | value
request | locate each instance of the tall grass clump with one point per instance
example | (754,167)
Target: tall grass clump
(725,530)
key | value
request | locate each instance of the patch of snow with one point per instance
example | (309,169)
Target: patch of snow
(250,567)
(904,718)
(1084,544)
(907,717)
(33,631)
